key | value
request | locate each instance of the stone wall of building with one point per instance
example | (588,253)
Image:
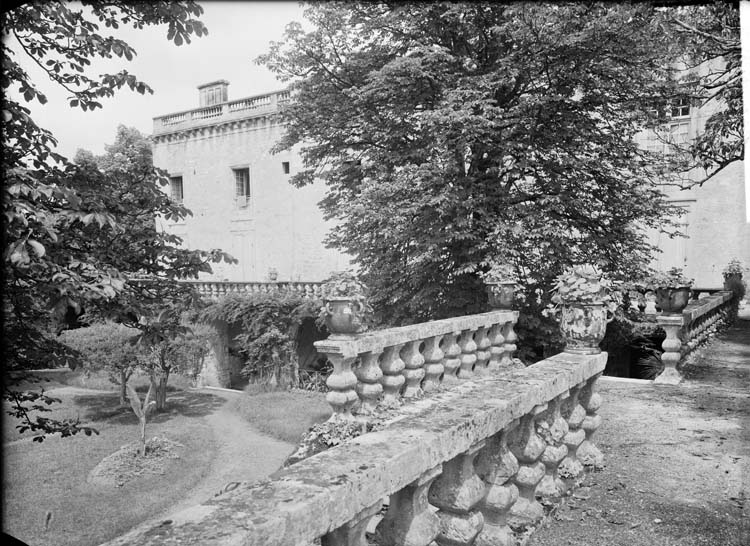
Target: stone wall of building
(278,227)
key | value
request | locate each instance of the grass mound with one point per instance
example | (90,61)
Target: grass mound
(127,463)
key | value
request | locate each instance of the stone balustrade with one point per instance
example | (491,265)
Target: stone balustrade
(387,367)
(462,468)
(687,330)
(256,105)
(218,289)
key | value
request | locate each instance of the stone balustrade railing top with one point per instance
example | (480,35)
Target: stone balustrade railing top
(385,367)
(463,469)
(687,330)
(256,105)
(217,289)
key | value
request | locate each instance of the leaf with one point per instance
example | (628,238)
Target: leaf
(37,246)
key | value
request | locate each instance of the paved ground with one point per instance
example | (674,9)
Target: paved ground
(678,459)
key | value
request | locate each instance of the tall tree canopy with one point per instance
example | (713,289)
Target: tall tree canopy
(453,136)
(81,235)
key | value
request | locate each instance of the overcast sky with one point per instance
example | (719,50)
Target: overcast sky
(237,33)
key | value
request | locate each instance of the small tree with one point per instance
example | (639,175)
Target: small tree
(171,348)
(142,411)
(109,347)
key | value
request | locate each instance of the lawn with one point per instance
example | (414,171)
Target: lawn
(284,415)
(46,498)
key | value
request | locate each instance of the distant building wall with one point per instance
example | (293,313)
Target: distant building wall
(714,220)
(261,220)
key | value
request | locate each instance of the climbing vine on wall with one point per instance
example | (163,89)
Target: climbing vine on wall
(269,325)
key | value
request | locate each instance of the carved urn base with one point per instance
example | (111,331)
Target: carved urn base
(583,326)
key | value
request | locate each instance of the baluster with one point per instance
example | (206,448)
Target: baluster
(456,493)
(451,361)
(433,366)
(528,447)
(342,382)
(369,388)
(483,350)
(672,348)
(468,355)
(497,466)
(496,350)
(409,520)
(588,453)
(352,533)
(392,379)
(570,467)
(413,371)
(552,429)
(509,346)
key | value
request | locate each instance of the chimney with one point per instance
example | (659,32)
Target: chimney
(213,93)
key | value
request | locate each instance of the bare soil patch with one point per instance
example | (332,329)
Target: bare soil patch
(127,463)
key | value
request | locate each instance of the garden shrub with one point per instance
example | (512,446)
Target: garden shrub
(109,347)
(269,324)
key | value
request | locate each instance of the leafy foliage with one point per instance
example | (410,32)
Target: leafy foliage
(107,346)
(269,324)
(457,135)
(81,236)
(709,39)
(673,278)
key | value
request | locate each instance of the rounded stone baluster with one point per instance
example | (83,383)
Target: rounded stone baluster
(456,493)
(392,380)
(433,363)
(672,348)
(369,388)
(353,532)
(552,428)
(468,354)
(409,520)
(509,345)
(451,360)
(342,383)
(496,349)
(483,350)
(413,369)
(588,453)
(571,468)
(497,466)
(527,446)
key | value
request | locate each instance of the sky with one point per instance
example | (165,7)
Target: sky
(237,33)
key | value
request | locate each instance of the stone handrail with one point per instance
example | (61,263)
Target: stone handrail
(217,289)
(480,453)
(385,366)
(687,330)
(228,111)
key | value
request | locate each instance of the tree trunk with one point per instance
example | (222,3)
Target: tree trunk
(143,434)
(161,392)
(123,388)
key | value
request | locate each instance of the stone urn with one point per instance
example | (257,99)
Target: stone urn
(344,315)
(672,300)
(345,308)
(583,326)
(500,294)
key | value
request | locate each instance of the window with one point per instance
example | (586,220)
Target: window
(680,108)
(175,187)
(241,186)
(285,167)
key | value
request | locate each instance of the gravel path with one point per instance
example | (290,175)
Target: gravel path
(243,454)
(677,459)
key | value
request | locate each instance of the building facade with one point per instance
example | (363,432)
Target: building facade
(219,160)
(714,220)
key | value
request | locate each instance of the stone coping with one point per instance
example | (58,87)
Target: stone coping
(703,306)
(350,346)
(320,494)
